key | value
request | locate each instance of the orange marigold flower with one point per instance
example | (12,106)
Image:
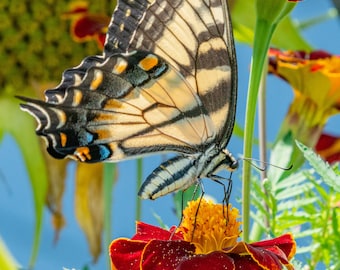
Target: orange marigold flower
(204,240)
(315,79)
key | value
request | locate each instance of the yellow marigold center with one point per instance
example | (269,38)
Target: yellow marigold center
(210,226)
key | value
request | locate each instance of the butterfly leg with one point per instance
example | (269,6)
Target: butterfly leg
(226,189)
(199,184)
(184,198)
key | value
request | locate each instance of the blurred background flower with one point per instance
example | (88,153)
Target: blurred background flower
(315,80)
(37,44)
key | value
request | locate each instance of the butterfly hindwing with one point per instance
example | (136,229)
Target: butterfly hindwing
(120,109)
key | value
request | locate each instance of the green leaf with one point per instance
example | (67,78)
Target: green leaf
(320,166)
(281,156)
(295,203)
(22,127)
(260,222)
(287,35)
(294,191)
(293,180)
(6,259)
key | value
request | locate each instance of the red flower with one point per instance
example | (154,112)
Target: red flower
(328,147)
(212,245)
(87,26)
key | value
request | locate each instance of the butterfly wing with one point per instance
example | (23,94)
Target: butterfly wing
(184,109)
(122,108)
(195,37)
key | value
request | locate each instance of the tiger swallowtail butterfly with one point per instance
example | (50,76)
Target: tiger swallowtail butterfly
(166,82)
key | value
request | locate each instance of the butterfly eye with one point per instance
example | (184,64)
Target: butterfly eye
(234,165)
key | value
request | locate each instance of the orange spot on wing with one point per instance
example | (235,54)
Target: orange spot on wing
(97,80)
(112,104)
(120,67)
(63,139)
(82,154)
(77,98)
(148,62)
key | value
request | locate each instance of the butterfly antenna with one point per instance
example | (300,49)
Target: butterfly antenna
(266,164)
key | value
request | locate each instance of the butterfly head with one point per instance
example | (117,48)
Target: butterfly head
(230,161)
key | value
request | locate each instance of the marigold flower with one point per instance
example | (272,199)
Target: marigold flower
(315,79)
(87,26)
(328,147)
(205,240)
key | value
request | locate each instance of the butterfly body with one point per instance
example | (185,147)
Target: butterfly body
(166,82)
(181,172)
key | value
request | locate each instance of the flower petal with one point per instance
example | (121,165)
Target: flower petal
(328,147)
(89,25)
(126,254)
(164,255)
(285,242)
(268,254)
(89,204)
(264,259)
(212,261)
(147,232)
(245,262)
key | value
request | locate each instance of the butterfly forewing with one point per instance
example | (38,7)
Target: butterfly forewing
(195,37)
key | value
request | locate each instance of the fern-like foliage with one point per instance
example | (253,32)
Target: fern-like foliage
(306,203)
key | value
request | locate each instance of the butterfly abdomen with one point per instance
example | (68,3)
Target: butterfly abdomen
(181,172)
(175,174)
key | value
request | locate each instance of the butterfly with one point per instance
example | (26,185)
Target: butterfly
(166,82)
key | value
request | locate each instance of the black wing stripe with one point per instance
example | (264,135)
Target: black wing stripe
(131,13)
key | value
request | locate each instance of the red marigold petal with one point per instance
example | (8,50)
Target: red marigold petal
(319,54)
(285,242)
(126,254)
(164,255)
(147,232)
(265,258)
(296,56)
(212,261)
(101,40)
(269,254)
(245,262)
(89,26)
(328,147)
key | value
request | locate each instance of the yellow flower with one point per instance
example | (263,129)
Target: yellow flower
(315,79)
(206,226)
(206,239)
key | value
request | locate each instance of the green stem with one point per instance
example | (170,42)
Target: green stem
(139,183)
(329,15)
(263,34)
(109,173)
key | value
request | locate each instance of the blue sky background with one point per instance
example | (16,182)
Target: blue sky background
(16,202)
